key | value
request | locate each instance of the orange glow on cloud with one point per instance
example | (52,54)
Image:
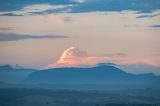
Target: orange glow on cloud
(73,57)
(70,58)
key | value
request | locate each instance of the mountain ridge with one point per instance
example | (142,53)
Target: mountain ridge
(103,74)
(97,77)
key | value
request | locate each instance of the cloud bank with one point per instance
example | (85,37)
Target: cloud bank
(73,57)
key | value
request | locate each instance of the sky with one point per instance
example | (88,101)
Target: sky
(58,33)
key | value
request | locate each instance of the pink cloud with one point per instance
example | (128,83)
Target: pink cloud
(73,57)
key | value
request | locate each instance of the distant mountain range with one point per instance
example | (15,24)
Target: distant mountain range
(101,74)
(9,74)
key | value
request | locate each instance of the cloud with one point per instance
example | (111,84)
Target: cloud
(74,57)
(156,26)
(40,8)
(15,37)
(9,14)
(115,55)
(148,16)
(37,9)
(151,14)
(73,52)
(78,1)
(5,29)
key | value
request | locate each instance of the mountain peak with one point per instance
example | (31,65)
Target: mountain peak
(6,67)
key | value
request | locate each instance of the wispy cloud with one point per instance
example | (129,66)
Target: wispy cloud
(156,26)
(5,29)
(152,14)
(37,9)
(15,37)
(115,55)
(147,16)
(78,1)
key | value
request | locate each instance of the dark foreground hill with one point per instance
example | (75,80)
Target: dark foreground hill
(42,97)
